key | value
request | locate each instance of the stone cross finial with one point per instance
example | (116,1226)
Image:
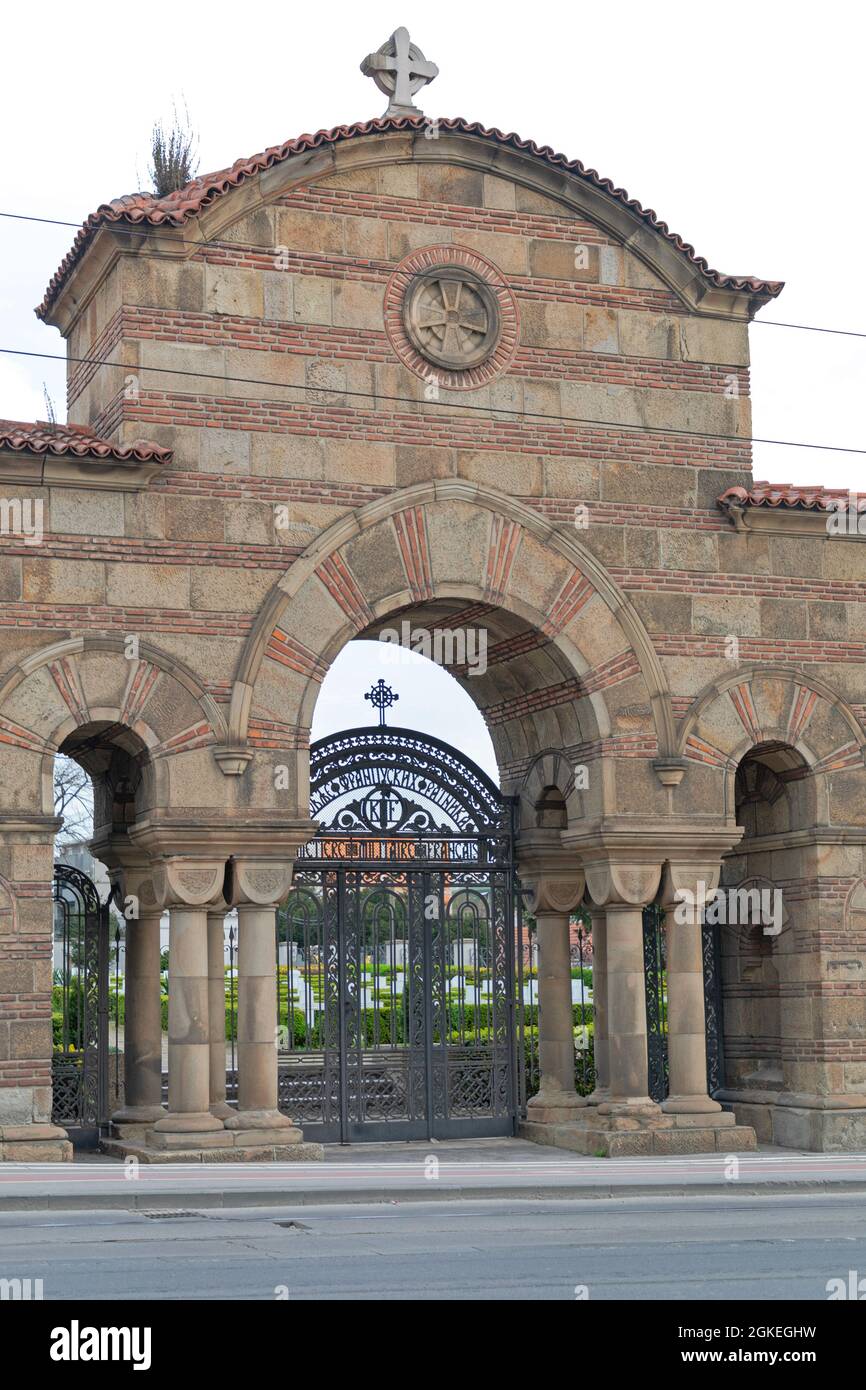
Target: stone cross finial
(399,69)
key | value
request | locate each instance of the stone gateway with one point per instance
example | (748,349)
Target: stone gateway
(405,371)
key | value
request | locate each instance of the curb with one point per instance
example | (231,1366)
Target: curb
(288,1197)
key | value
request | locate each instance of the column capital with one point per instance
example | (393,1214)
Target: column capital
(259,882)
(623,880)
(552,874)
(181,881)
(690,879)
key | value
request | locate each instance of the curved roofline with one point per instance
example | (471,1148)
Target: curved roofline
(179,207)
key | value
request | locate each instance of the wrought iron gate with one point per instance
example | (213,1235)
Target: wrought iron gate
(79,1004)
(655,973)
(396,947)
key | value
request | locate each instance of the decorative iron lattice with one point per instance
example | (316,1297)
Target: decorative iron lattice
(80,1061)
(396,947)
(655,976)
(655,968)
(711,955)
(408,782)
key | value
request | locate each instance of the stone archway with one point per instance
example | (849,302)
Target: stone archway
(136,720)
(569,663)
(785,752)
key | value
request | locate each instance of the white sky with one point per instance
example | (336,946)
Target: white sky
(741,125)
(430,700)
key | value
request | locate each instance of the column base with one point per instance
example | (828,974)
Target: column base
(34,1144)
(222,1110)
(553,1105)
(282,1142)
(621,1131)
(291,1152)
(600,1096)
(634,1105)
(690,1105)
(126,1124)
(138,1115)
(257,1119)
(186,1130)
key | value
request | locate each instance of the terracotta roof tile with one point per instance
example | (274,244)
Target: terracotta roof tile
(178,207)
(42,438)
(807,499)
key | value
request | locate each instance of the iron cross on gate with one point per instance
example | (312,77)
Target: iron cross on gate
(399,69)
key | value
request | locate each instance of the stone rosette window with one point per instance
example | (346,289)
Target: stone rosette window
(451,317)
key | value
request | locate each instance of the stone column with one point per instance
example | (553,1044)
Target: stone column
(142,1013)
(624,887)
(190,887)
(556,891)
(219,1106)
(258,886)
(599,1008)
(686,889)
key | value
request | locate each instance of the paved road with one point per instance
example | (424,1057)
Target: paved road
(761,1248)
(497,1169)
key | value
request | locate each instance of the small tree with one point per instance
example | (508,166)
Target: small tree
(173,154)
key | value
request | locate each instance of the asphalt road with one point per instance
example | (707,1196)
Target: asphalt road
(763,1248)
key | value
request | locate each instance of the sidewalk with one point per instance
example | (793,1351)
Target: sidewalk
(478,1169)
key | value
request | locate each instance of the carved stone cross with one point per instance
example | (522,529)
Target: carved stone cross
(399,69)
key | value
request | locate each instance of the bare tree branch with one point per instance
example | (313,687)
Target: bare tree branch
(73,798)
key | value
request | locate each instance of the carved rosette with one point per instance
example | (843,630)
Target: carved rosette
(451,318)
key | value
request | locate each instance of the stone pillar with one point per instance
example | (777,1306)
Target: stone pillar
(27,1132)
(219,1106)
(624,887)
(257,887)
(142,1014)
(599,1008)
(190,887)
(685,892)
(556,889)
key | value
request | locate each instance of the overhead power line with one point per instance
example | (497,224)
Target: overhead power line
(446,405)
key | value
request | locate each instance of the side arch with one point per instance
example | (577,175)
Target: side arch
(773,705)
(149,701)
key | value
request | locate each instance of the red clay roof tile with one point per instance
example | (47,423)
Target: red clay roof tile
(808,499)
(178,207)
(42,438)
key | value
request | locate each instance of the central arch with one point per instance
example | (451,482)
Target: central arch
(569,664)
